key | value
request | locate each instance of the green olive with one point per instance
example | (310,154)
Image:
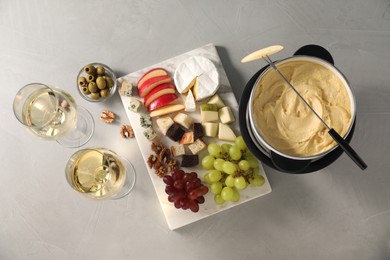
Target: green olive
(101,82)
(110,82)
(89,69)
(85,90)
(104,92)
(100,70)
(82,81)
(92,87)
(90,78)
(95,95)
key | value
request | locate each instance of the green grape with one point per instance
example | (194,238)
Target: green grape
(216,187)
(229,181)
(248,153)
(218,164)
(258,180)
(218,199)
(240,183)
(229,167)
(236,196)
(226,147)
(240,143)
(208,162)
(227,193)
(215,150)
(235,153)
(253,162)
(214,175)
(206,179)
(244,165)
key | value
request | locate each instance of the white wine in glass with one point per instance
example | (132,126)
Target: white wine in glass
(52,113)
(99,173)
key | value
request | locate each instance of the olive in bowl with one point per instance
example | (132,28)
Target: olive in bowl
(96,82)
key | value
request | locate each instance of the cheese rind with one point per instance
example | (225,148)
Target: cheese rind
(197,72)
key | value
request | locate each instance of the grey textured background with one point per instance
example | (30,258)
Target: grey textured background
(336,213)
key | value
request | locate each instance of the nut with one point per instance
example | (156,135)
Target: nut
(164,155)
(161,171)
(126,131)
(157,147)
(152,160)
(173,165)
(107,116)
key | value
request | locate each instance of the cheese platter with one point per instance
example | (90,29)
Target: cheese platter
(185,118)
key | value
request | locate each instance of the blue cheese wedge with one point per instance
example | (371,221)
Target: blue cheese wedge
(134,105)
(149,134)
(145,121)
(126,89)
(199,73)
(197,146)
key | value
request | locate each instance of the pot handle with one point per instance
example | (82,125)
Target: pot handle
(289,165)
(315,51)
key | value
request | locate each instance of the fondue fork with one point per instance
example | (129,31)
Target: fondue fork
(264,54)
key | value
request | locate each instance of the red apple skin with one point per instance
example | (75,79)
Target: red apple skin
(166,88)
(150,74)
(153,83)
(162,101)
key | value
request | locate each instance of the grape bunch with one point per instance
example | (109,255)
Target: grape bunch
(185,190)
(231,169)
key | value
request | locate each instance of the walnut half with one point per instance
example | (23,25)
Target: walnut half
(107,116)
(126,131)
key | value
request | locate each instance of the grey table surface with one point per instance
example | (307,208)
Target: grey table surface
(336,213)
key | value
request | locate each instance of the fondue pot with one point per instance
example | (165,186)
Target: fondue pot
(269,154)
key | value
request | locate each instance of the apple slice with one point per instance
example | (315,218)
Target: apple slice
(150,74)
(167,110)
(151,83)
(162,101)
(166,88)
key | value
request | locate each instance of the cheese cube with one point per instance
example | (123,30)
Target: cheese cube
(164,123)
(210,129)
(183,120)
(217,101)
(177,150)
(145,121)
(197,146)
(226,115)
(208,116)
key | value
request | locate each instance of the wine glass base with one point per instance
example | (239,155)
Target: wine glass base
(129,181)
(82,133)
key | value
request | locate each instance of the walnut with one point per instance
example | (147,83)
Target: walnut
(157,147)
(157,165)
(152,160)
(161,171)
(126,131)
(173,165)
(164,155)
(107,116)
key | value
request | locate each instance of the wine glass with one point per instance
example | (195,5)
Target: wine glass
(99,173)
(52,113)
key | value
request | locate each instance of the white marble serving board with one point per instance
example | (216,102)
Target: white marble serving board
(177,218)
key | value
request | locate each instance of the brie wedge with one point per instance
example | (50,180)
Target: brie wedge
(190,102)
(197,72)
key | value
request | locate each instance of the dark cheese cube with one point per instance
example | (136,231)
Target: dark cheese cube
(189,160)
(175,132)
(198,131)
